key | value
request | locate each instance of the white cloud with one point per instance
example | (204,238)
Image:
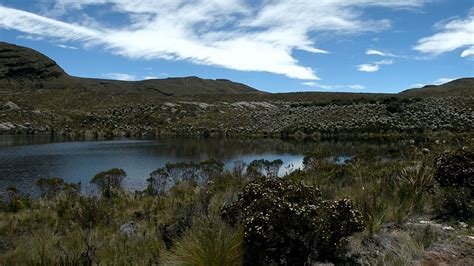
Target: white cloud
(29,37)
(384,62)
(356,87)
(368,68)
(375,52)
(120,76)
(452,35)
(310,83)
(439,81)
(375,66)
(225,33)
(333,87)
(443,80)
(67,46)
(468,52)
(150,77)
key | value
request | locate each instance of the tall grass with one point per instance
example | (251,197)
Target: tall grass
(209,241)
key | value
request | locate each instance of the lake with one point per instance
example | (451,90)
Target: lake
(26,158)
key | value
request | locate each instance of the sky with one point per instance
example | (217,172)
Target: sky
(272,45)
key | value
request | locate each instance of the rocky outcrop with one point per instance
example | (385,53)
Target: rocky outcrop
(19,63)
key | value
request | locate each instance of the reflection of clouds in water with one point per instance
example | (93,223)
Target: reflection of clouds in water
(291,162)
(291,166)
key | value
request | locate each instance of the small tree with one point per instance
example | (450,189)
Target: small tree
(110,181)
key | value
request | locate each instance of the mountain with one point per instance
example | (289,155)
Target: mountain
(458,87)
(25,68)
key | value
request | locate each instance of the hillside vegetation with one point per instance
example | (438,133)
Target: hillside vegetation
(38,97)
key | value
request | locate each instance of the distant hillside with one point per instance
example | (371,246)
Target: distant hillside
(25,68)
(459,87)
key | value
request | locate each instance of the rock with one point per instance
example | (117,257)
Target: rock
(129,229)
(448,228)
(11,106)
(7,126)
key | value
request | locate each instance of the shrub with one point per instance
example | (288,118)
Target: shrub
(455,173)
(88,212)
(163,179)
(109,182)
(15,201)
(394,108)
(286,222)
(50,187)
(455,169)
(264,168)
(456,203)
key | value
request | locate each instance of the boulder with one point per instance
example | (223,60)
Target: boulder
(11,106)
(129,229)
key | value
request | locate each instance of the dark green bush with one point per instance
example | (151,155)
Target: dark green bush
(286,222)
(15,201)
(455,169)
(394,108)
(455,174)
(456,203)
(109,182)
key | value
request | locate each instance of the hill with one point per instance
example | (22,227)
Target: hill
(458,87)
(25,68)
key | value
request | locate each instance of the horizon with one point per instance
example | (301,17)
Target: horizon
(359,46)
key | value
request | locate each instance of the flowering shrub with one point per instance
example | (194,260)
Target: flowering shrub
(286,222)
(455,169)
(455,174)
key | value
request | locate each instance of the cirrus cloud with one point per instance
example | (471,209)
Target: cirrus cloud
(232,34)
(454,34)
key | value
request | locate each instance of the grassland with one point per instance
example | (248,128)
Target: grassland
(398,206)
(93,114)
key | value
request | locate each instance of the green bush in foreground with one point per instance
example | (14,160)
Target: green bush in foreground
(455,174)
(286,222)
(457,203)
(455,169)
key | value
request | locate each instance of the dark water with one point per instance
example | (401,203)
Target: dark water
(23,159)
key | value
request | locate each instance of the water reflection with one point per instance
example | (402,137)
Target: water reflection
(23,159)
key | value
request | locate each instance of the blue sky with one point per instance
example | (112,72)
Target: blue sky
(272,45)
